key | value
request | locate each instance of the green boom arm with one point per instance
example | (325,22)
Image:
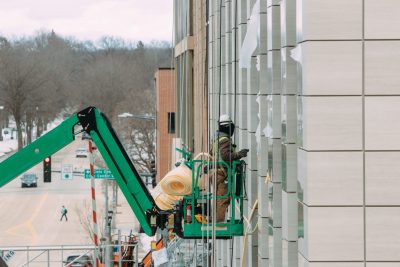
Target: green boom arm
(97,125)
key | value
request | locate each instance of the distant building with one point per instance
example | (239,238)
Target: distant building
(166,118)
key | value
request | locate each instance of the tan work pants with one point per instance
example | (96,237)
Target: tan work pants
(222,189)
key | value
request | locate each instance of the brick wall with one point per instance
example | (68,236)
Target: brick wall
(166,99)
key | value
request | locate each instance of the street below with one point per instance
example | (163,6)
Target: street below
(31,216)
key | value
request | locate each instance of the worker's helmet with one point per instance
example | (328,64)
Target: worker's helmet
(226,125)
(224,119)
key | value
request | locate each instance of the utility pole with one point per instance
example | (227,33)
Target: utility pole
(114,203)
(107,229)
(108,219)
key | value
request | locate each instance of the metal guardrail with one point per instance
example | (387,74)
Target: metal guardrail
(174,244)
(39,256)
(38,248)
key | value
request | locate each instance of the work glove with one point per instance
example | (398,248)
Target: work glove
(243,153)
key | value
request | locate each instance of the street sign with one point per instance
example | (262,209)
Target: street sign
(66,172)
(99,174)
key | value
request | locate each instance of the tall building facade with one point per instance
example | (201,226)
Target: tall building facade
(313,88)
(190,35)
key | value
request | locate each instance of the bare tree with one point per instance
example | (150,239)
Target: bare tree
(138,135)
(21,76)
(42,75)
(141,147)
(84,214)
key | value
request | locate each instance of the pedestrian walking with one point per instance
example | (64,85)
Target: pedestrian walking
(64,212)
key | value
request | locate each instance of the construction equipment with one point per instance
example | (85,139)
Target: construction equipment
(190,214)
(96,124)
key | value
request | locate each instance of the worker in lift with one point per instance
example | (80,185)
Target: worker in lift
(222,149)
(64,212)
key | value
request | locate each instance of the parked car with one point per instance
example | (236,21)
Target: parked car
(29,180)
(79,261)
(81,152)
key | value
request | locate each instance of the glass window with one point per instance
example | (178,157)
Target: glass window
(171,122)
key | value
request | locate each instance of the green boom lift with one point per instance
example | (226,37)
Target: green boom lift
(128,179)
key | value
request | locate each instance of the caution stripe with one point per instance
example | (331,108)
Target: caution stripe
(93,191)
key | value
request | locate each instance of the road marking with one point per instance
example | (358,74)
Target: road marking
(21,229)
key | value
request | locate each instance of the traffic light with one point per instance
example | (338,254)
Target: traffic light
(153,172)
(47,170)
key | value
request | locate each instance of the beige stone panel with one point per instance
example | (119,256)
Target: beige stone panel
(275,205)
(382,233)
(383,264)
(289,118)
(382,19)
(334,233)
(275,246)
(274,28)
(288,23)
(289,253)
(382,66)
(331,178)
(304,263)
(329,20)
(252,110)
(274,78)
(382,183)
(382,123)
(241,121)
(274,128)
(332,123)
(331,68)
(289,168)
(263,45)
(289,216)
(288,72)
(263,201)
(262,157)
(272,2)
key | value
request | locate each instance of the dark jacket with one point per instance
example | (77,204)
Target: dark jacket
(226,149)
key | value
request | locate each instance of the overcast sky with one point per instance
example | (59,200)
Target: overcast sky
(132,20)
